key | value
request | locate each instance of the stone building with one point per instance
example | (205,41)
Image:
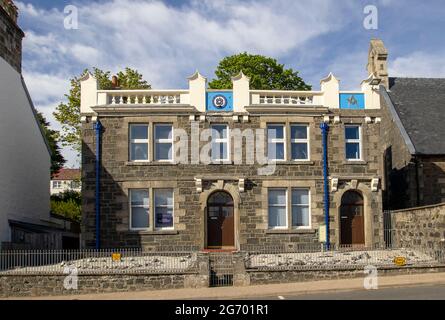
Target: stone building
(25,157)
(413,144)
(164,180)
(10,35)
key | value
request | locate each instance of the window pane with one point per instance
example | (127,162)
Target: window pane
(139,217)
(163,197)
(164,208)
(275,132)
(300,196)
(277,216)
(275,151)
(219,150)
(219,131)
(163,132)
(164,151)
(300,216)
(352,151)
(277,197)
(298,132)
(299,151)
(164,217)
(139,151)
(352,132)
(139,198)
(139,131)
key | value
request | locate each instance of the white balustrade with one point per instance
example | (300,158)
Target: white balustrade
(293,98)
(143,97)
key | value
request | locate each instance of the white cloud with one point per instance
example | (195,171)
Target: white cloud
(165,43)
(46,88)
(419,64)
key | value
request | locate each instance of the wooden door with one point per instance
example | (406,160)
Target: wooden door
(220,221)
(352,229)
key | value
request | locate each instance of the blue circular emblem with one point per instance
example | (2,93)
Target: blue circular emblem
(219,101)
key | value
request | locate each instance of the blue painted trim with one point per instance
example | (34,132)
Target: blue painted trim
(324,131)
(226,95)
(352,101)
(98,127)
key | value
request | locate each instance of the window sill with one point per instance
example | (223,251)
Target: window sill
(354,162)
(216,163)
(153,232)
(299,162)
(290,231)
(150,163)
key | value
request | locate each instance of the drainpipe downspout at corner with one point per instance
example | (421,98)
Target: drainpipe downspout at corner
(98,128)
(324,131)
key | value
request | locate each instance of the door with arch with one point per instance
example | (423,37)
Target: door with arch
(220,220)
(352,228)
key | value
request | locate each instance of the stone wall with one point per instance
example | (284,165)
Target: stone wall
(10,40)
(270,277)
(399,183)
(251,227)
(420,227)
(48,285)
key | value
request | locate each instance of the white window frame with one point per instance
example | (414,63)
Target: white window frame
(140,206)
(57,184)
(285,205)
(163,141)
(359,141)
(146,141)
(301,205)
(166,206)
(225,140)
(277,140)
(306,141)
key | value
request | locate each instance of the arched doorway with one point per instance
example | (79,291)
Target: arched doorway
(352,229)
(220,220)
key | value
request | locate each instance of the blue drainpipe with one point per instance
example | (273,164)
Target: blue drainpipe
(324,130)
(98,127)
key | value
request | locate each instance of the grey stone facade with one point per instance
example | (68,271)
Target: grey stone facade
(10,36)
(422,227)
(118,175)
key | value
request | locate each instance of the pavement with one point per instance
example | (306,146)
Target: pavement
(264,291)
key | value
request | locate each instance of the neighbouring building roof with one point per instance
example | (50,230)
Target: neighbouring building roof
(67,174)
(420,106)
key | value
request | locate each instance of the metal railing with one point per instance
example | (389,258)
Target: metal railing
(318,257)
(96,261)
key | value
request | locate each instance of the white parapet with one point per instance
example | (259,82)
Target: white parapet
(371,92)
(241,95)
(330,86)
(197,91)
(88,93)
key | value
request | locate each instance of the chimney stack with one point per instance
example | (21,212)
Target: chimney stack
(114,82)
(377,61)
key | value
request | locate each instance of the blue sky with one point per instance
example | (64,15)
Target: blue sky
(168,40)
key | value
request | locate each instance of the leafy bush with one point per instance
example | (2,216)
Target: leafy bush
(67,204)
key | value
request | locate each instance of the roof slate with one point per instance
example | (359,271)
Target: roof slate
(420,105)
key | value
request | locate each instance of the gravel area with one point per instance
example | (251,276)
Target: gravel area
(156,263)
(338,259)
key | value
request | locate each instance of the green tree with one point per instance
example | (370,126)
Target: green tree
(57,159)
(67,204)
(265,73)
(68,114)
